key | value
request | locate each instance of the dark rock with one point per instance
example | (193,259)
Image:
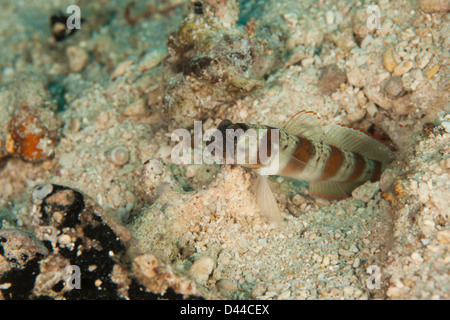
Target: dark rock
(331,79)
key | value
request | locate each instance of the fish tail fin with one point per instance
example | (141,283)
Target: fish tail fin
(266,200)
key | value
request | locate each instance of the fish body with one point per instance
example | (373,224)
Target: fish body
(334,159)
(322,164)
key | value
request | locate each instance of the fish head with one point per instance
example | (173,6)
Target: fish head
(241,143)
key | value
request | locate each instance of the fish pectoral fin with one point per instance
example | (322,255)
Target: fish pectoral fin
(306,124)
(332,190)
(266,200)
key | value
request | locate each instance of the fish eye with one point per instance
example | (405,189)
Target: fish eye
(224,124)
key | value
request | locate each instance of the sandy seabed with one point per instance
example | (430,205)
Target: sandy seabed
(87,180)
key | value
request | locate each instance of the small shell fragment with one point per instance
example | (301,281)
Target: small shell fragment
(121,69)
(42,191)
(388,59)
(403,68)
(118,156)
(430,73)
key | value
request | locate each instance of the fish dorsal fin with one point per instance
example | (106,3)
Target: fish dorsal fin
(306,124)
(351,139)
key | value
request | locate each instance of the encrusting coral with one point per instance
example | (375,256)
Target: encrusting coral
(214,60)
(29,127)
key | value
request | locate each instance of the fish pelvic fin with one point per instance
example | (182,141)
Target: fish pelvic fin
(266,201)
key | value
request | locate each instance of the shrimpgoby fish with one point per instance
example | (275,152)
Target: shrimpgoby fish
(334,159)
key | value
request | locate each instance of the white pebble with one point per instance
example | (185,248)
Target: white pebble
(202,268)
(329,17)
(356,263)
(366,191)
(348,291)
(446,125)
(416,257)
(298,199)
(226,286)
(403,68)
(445,164)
